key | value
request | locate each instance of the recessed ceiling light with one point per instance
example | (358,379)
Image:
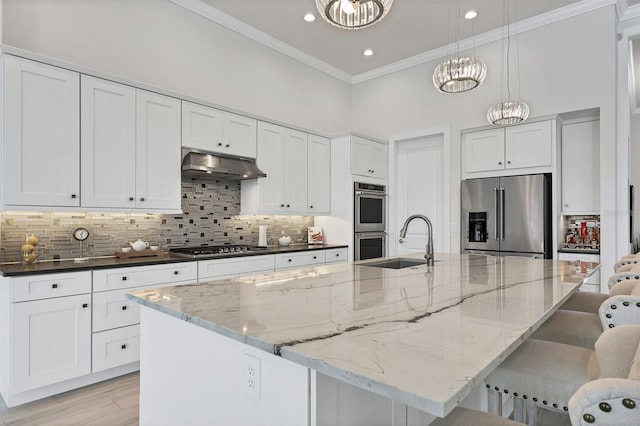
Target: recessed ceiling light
(309,17)
(471,14)
(368,52)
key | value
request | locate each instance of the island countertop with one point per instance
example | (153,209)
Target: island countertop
(425,336)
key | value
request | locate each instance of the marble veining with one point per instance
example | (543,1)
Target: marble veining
(424,336)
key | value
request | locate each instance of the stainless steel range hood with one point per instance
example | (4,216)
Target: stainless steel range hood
(199,164)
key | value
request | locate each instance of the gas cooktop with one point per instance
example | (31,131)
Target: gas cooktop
(213,251)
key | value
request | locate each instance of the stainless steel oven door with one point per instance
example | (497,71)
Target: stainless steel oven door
(370,245)
(370,211)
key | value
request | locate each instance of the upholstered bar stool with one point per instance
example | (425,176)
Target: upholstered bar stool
(547,374)
(615,398)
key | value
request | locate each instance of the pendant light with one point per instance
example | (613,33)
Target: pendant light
(508,111)
(353,14)
(459,74)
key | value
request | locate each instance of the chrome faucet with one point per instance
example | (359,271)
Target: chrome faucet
(429,249)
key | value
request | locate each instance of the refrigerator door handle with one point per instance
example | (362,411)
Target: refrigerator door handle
(496,200)
(502,214)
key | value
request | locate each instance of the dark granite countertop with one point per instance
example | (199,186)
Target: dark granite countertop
(48,267)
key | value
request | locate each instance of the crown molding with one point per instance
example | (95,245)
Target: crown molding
(578,8)
(200,8)
(485,38)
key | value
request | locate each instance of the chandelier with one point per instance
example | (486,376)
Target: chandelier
(353,14)
(508,111)
(459,74)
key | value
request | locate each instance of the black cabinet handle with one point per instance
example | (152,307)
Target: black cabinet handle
(176,272)
(499,163)
(508,162)
(373,171)
(281,205)
(219,143)
(124,308)
(74,196)
(288,205)
(289,260)
(124,278)
(131,198)
(227,146)
(337,254)
(315,257)
(310,207)
(54,285)
(85,305)
(141,198)
(123,347)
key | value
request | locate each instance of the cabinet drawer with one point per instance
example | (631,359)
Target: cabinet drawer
(235,267)
(112,309)
(115,347)
(113,279)
(299,260)
(51,285)
(336,255)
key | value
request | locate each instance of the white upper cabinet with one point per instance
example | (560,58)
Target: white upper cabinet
(130,147)
(158,174)
(368,158)
(581,167)
(517,147)
(214,130)
(528,145)
(108,142)
(298,169)
(41,135)
(318,175)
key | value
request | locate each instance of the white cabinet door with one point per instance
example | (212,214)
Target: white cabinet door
(528,145)
(295,172)
(51,341)
(378,160)
(108,142)
(483,151)
(202,127)
(368,158)
(41,135)
(581,167)
(158,174)
(318,175)
(271,151)
(239,135)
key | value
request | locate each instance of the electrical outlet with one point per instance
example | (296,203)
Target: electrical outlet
(252,375)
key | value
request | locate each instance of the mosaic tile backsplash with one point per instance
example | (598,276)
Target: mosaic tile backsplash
(210,217)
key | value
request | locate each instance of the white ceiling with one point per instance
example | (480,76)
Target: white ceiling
(412,27)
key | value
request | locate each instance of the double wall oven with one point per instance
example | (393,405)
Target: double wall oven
(370,224)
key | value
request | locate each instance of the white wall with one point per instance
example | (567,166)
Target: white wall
(163,45)
(549,58)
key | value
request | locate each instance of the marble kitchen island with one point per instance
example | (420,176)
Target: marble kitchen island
(342,344)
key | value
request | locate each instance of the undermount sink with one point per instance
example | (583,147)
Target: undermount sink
(400,263)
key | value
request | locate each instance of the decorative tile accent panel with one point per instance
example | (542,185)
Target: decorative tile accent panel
(210,217)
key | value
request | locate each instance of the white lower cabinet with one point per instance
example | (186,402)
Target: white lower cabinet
(50,341)
(339,255)
(116,347)
(235,267)
(299,259)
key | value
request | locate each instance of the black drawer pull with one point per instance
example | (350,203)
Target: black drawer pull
(85,305)
(54,285)
(141,198)
(124,278)
(176,272)
(219,143)
(73,195)
(288,205)
(131,198)
(315,257)
(124,308)
(281,205)
(123,347)
(227,145)
(337,254)
(310,207)
(289,260)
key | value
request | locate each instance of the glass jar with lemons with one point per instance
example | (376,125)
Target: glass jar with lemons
(28,250)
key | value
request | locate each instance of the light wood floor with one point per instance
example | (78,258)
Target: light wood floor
(110,403)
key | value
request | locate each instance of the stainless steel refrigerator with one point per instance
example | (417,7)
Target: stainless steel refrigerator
(507,216)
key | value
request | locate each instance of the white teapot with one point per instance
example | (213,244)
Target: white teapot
(285,240)
(139,245)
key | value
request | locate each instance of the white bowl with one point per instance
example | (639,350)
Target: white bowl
(126,249)
(153,248)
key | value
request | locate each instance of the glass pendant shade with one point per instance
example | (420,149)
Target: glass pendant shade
(459,74)
(510,112)
(353,14)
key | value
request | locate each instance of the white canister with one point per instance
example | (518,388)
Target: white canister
(262,235)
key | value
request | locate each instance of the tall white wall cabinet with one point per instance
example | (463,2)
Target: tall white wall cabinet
(581,167)
(41,135)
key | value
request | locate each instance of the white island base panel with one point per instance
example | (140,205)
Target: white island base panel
(189,375)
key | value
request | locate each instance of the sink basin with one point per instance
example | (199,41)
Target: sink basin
(400,263)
